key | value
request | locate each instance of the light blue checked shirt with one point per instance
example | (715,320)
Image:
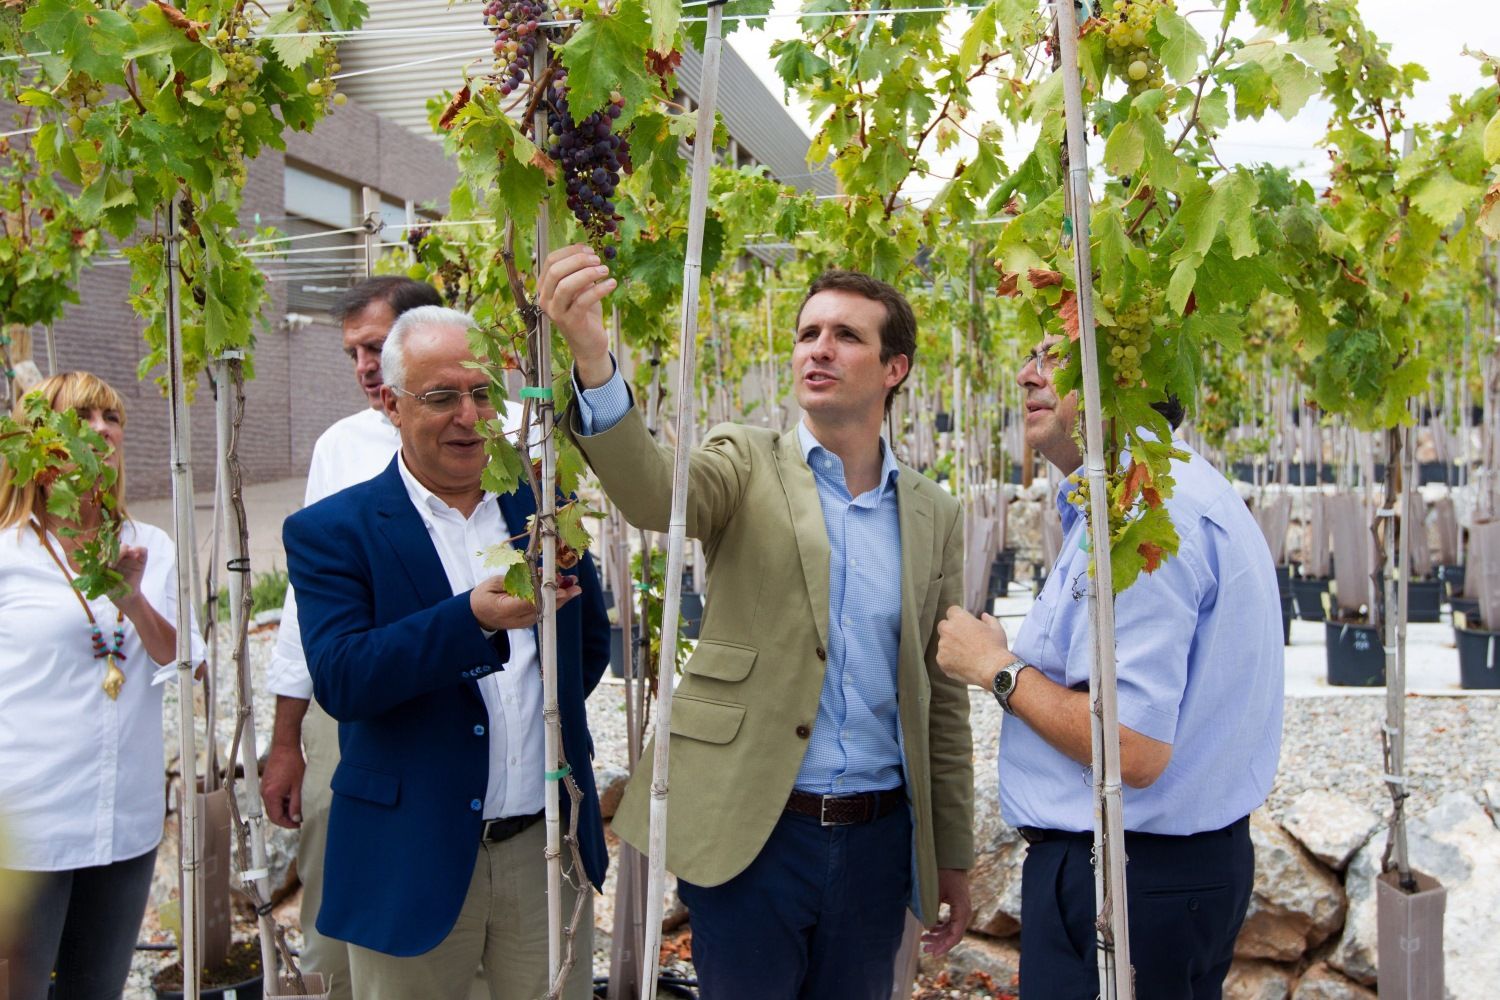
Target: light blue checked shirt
(856,740)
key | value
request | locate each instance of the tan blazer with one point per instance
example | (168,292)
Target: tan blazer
(745,705)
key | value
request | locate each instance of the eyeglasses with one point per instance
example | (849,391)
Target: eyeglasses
(1044,359)
(447,399)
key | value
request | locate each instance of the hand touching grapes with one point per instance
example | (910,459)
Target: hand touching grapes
(573,285)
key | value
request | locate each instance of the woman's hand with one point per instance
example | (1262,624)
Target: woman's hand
(132,566)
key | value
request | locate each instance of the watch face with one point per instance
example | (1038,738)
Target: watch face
(1004,681)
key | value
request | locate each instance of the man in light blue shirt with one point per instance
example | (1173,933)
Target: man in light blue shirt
(821,764)
(1199,661)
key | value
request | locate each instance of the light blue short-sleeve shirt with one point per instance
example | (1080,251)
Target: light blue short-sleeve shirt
(1199,665)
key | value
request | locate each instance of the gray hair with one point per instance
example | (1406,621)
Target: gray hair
(393,354)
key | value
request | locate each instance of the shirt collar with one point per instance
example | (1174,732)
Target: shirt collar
(889,467)
(426,501)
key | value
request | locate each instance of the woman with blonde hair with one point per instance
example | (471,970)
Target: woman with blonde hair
(81,756)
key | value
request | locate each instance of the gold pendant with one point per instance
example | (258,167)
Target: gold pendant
(114,678)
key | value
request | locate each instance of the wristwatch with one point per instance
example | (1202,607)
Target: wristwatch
(1004,684)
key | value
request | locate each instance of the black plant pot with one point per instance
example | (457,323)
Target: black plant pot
(1453,579)
(943,422)
(692,614)
(1002,572)
(617,652)
(1309,591)
(1424,601)
(609,598)
(1356,655)
(1478,659)
(1288,612)
(1466,606)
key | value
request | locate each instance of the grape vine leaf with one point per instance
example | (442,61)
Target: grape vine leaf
(293,48)
(1492,139)
(502,556)
(608,52)
(1181,45)
(665,15)
(1443,197)
(93,44)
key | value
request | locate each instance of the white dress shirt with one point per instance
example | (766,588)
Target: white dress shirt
(353,450)
(80,774)
(513,696)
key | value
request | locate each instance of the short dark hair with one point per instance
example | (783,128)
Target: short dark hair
(398,292)
(1172,409)
(898,334)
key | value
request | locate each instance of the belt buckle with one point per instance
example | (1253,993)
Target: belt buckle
(823,819)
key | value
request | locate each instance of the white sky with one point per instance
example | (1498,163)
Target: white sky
(1432,33)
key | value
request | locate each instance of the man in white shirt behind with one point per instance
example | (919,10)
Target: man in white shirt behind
(356,448)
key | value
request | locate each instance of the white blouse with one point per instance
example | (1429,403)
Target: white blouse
(81,776)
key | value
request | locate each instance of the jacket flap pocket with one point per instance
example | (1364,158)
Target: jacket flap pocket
(709,721)
(722,661)
(362,783)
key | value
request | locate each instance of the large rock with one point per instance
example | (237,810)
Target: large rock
(1252,979)
(1297,903)
(1322,983)
(976,959)
(610,781)
(1458,844)
(995,879)
(1330,825)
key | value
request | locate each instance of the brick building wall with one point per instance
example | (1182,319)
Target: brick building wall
(303,382)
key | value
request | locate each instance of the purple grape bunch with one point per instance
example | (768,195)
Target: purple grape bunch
(592,156)
(416,234)
(516,26)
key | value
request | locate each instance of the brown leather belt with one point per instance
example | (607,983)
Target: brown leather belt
(842,810)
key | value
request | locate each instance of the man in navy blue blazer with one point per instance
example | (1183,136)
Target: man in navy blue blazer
(435,860)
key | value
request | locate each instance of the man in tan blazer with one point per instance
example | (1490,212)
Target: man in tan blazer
(821,764)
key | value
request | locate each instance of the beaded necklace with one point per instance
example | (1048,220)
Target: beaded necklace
(114,655)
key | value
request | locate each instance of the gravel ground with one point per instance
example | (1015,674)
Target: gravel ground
(1330,742)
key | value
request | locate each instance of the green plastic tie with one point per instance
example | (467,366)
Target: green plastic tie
(535,392)
(559,774)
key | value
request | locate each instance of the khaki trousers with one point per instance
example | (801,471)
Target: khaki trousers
(320,745)
(502,926)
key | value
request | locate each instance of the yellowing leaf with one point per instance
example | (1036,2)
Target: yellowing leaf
(1492,139)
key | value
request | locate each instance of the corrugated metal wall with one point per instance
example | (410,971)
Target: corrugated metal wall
(457,38)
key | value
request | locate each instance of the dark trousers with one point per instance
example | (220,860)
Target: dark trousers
(82,923)
(818,914)
(1187,899)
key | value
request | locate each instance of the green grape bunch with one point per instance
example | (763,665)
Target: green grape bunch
(1130,335)
(1127,25)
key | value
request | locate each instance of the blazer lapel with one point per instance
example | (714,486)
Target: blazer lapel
(401,526)
(915,516)
(807,526)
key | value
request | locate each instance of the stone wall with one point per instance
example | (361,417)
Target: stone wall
(1310,933)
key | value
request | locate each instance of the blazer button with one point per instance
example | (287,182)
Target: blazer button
(804,732)
(822,653)
(478,730)
(476,805)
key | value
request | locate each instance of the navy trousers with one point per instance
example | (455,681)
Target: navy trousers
(818,914)
(1187,898)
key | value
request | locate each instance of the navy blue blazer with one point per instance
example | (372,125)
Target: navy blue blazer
(395,657)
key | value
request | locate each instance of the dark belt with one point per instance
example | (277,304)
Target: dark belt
(1037,834)
(495,831)
(842,810)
